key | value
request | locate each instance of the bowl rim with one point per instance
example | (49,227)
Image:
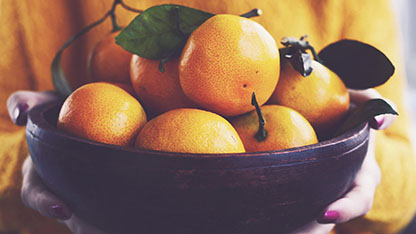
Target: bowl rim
(37,125)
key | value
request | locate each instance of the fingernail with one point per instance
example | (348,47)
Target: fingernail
(377,122)
(58,212)
(20,113)
(329,217)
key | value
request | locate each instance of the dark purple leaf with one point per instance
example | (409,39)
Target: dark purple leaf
(359,65)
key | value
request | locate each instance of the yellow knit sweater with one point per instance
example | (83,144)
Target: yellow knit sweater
(32,31)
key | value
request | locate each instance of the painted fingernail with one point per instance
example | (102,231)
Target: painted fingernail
(329,217)
(20,113)
(377,122)
(58,212)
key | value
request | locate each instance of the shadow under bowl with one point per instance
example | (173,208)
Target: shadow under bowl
(125,190)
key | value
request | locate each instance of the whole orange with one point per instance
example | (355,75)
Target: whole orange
(321,97)
(109,61)
(102,112)
(189,130)
(225,60)
(285,128)
(157,91)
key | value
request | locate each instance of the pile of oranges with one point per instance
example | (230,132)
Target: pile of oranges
(203,101)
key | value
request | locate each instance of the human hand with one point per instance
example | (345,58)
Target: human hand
(36,196)
(355,203)
(358,201)
(34,193)
(20,102)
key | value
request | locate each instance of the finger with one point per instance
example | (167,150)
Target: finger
(314,228)
(20,102)
(381,122)
(359,200)
(36,196)
(78,226)
(378,122)
(361,96)
(355,204)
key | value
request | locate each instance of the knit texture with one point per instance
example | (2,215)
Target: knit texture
(32,32)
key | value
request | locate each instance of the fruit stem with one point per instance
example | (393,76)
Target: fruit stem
(261,134)
(162,64)
(253,13)
(301,44)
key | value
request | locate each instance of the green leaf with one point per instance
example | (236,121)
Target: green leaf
(365,113)
(161,31)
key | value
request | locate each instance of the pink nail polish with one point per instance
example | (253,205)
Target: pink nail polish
(377,122)
(329,217)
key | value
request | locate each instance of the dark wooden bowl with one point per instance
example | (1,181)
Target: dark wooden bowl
(126,190)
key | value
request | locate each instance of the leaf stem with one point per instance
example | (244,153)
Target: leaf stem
(112,12)
(84,30)
(129,8)
(58,78)
(253,13)
(261,134)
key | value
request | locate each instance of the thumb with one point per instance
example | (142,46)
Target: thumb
(20,102)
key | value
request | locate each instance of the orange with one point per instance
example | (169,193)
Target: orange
(189,130)
(225,60)
(285,128)
(157,91)
(102,112)
(321,97)
(109,62)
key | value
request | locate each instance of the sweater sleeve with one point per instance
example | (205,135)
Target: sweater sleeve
(373,22)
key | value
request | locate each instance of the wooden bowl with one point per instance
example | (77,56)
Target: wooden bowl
(126,190)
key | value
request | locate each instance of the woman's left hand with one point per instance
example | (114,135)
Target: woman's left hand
(36,196)
(359,200)
(20,102)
